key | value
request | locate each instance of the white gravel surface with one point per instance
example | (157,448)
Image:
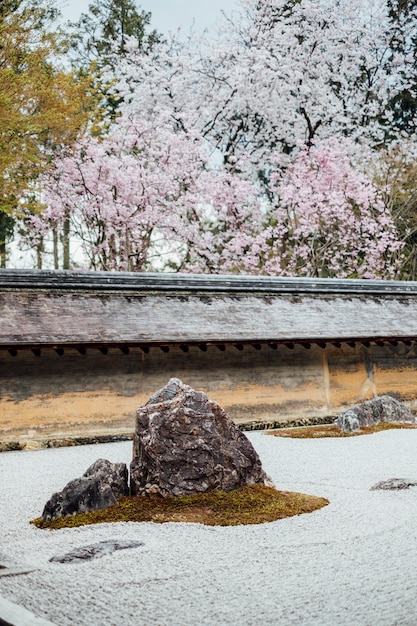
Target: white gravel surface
(353,562)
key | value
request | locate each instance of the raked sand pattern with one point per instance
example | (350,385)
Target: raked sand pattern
(351,563)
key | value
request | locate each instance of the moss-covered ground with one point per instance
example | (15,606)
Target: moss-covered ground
(251,504)
(330,430)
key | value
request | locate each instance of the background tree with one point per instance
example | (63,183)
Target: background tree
(395,174)
(99,40)
(278,77)
(144,197)
(102,33)
(246,153)
(403,20)
(42,107)
(331,219)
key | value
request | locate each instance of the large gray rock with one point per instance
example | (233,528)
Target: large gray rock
(371,412)
(185,443)
(99,487)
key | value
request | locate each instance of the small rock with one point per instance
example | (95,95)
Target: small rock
(185,443)
(95,551)
(372,412)
(394,484)
(99,487)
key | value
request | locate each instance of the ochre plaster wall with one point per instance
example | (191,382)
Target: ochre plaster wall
(57,397)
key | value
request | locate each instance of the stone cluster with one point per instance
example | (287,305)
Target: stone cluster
(184,443)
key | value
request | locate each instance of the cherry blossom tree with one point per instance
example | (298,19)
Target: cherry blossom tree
(242,153)
(145,197)
(330,220)
(278,75)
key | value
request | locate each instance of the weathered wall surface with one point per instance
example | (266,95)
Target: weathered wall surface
(54,396)
(53,317)
(79,351)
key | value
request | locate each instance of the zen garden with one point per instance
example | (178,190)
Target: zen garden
(208,313)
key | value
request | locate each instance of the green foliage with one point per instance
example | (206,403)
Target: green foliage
(41,106)
(101,33)
(6,235)
(396,174)
(99,38)
(402,14)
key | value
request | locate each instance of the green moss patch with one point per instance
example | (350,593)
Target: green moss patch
(252,504)
(330,430)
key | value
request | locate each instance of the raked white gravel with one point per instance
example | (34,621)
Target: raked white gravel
(351,563)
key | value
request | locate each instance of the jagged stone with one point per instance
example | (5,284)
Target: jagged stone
(372,412)
(95,551)
(394,484)
(185,443)
(99,487)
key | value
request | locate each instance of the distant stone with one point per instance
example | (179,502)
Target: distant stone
(394,484)
(372,412)
(99,487)
(348,421)
(95,551)
(185,443)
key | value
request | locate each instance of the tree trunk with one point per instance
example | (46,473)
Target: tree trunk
(55,243)
(39,251)
(3,254)
(66,244)
(6,234)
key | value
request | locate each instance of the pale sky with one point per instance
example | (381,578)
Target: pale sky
(167,15)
